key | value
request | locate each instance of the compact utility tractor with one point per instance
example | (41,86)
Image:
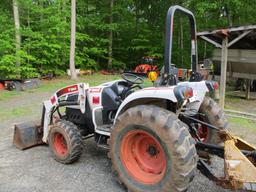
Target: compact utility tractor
(157,137)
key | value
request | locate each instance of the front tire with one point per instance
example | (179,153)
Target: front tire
(152,150)
(65,142)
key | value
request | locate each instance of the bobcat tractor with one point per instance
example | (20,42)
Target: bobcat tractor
(157,136)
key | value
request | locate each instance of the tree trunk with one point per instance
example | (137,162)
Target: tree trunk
(17,33)
(28,25)
(110,46)
(73,40)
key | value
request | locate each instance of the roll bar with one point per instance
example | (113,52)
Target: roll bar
(169,36)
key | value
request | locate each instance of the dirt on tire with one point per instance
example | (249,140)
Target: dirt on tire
(175,139)
(72,139)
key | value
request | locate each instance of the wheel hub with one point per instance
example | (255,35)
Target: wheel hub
(60,145)
(152,151)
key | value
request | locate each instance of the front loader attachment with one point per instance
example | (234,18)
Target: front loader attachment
(30,134)
(240,162)
(27,135)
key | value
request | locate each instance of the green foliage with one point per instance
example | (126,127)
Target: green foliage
(138,30)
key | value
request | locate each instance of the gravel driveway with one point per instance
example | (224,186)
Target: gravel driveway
(34,170)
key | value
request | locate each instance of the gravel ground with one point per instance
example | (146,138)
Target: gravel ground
(34,170)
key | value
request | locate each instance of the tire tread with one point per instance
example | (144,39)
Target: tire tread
(76,142)
(184,160)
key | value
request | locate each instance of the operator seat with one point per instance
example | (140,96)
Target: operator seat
(120,88)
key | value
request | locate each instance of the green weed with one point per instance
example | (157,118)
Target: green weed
(15,112)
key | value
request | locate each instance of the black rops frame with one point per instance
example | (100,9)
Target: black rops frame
(169,38)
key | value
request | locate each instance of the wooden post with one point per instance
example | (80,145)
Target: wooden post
(224,58)
(248,86)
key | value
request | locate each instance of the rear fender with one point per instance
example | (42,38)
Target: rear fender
(146,96)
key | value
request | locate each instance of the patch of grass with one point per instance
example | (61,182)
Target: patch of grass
(228,107)
(243,123)
(55,84)
(50,87)
(93,80)
(4,95)
(243,128)
(15,112)
(233,98)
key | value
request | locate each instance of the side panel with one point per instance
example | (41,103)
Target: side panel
(94,95)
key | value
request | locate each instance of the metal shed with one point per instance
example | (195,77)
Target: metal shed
(236,53)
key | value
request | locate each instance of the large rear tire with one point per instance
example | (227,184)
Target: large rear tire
(213,115)
(152,150)
(65,142)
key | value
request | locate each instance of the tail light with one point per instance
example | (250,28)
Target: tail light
(216,86)
(188,92)
(212,85)
(182,92)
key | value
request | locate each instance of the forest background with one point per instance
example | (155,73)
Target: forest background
(110,34)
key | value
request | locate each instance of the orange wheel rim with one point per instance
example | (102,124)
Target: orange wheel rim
(60,144)
(143,157)
(203,133)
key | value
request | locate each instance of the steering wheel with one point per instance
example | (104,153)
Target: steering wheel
(132,78)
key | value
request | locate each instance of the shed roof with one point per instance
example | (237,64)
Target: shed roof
(242,37)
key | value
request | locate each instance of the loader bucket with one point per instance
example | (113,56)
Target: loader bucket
(27,135)
(240,169)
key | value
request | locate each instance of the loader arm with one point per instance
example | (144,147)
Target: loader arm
(240,168)
(239,160)
(239,164)
(59,99)
(30,134)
